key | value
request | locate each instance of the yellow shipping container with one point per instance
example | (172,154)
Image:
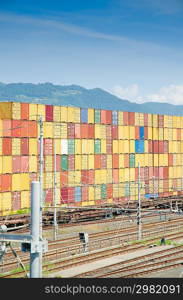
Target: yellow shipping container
(58,179)
(90,146)
(174,134)
(161,136)
(57,146)
(91,162)
(33,113)
(146,146)
(78,162)
(84,146)
(155,120)
(120,118)
(155,133)
(121,146)
(103,174)
(48,163)
(25,184)
(5,110)
(115,190)
(77,178)
(121,161)
(150,133)
(127,174)
(16,111)
(109,176)
(16,182)
(146,159)
(1,128)
(137,123)
(166,134)
(25,199)
(121,191)
(109,161)
(132,174)
(120,132)
(63,114)
(126,132)
(132,132)
(41,111)
(56,113)
(126,146)
(115,146)
(16,146)
(91,115)
(1,164)
(70,114)
(58,196)
(91,193)
(63,131)
(78,146)
(5,203)
(141,119)
(181,122)
(71,178)
(48,180)
(156,160)
(7,164)
(122,175)
(150,120)
(48,130)
(103,146)
(174,118)
(97,192)
(97,131)
(103,131)
(97,177)
(33,147)
(84,162)
(163,160)
(165,121)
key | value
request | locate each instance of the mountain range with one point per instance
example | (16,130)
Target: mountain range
(74,95)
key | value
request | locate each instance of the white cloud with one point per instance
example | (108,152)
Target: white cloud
(172,94)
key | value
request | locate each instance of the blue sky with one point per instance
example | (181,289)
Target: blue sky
(132,49)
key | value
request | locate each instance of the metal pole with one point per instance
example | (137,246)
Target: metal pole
(139,224)
(35,221)
(55,185)
(41,183)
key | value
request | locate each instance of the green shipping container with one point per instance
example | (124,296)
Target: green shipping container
(97,116)
(127,189)
(103,191)
(97,146)
(64,162)
(71,146)
(132,160)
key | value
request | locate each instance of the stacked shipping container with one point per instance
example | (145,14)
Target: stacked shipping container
(97,154)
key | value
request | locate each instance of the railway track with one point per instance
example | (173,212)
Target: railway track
(69,262)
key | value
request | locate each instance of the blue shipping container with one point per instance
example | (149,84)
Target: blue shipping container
(114,117)
(141,133)
(139,146)
(77,193)
(84,115)
(151,196)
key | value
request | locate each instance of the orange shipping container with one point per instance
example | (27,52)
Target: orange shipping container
(24,111)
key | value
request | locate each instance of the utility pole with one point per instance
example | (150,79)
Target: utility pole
(139,221)
(54,195)
(41,183)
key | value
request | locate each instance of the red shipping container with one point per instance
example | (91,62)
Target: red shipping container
(109,146)
(71,194)
(146,133)
(58,163)
(16,164)
(64,195)
(108,116)
(109,190)
(77,131)
(71,130)
(165,146)
(49,113)
(84,176)
(84,131)
(103,116)
(6,180)
(115,175)
(6,127)
(84,193)
(109,132)
(178,134)
(155,147)
(71,162)
(160,121)
(48,146)
(64,178)
(125,118)
(32,129)
(24,130)
(156,172)
(146,186)
(16,128)
(131,118)
(161,146)
(7,146)
(142,177)
(150,146)
(145,119)
(91,131)
(170,160)
(97,161)
(16,200)
(115,161)
(24,111)
(161,172)
(25,146)
(114,132)
(165,172)
(151,172)
(126,161)
(91,177)
(49,196)
(146,173)
(103,161)
(24,164)
(137,134)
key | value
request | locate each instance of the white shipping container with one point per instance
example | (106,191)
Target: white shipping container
(64,146)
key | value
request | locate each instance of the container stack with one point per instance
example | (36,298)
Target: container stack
(97,155)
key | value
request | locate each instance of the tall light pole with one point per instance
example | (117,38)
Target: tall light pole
(41,161)
(54,191)
(139,221)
